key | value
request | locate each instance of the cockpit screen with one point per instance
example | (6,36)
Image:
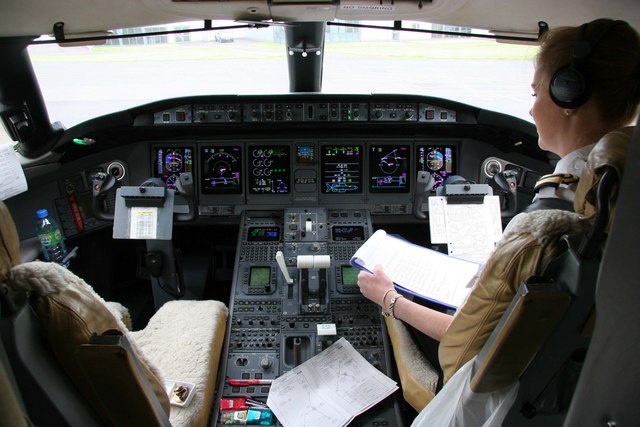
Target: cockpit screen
(263,234)
(341,169)
(221,169)
(389,168)
(260,276)
(170,162)
(270,169)
(305,154)
(438,160)
(350,233)
(349,276)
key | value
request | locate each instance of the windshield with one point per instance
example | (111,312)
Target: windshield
(79,83)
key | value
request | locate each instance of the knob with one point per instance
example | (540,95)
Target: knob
(265,363)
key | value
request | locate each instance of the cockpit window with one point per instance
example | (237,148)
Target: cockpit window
(79,83)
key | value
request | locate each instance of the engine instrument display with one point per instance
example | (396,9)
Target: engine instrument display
(341,169)
(438,160)
(270,171)
(389,168)
(221,169)
(170,162)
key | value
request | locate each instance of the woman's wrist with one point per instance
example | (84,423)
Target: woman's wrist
(392,305)
(385,313)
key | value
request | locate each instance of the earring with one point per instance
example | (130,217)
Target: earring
(567,113)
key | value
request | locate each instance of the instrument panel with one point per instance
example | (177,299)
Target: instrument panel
(311,170)
(272,152)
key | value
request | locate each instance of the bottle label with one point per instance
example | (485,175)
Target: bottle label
(50,239)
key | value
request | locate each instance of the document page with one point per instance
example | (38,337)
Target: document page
(330,389)
(470,231)
(12,179)
(419,270)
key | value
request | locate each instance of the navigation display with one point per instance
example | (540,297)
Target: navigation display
(341,169)
(270,169)
(389,168)
(221,169)
(438,160)
(169,162)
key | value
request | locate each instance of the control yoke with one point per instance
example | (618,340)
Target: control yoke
(102,184)
(147,212)
(506,184)
(424,186)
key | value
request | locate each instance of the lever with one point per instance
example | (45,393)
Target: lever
(283,267)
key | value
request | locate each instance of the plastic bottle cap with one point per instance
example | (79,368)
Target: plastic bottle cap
(42,213)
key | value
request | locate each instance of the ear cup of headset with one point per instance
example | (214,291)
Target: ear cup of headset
(569,87)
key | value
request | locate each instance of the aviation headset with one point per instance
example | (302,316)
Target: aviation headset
(570,86)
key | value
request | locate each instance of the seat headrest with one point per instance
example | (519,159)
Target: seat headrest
(611,150)
(9,242)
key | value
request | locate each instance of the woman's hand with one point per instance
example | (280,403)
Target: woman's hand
(375,286)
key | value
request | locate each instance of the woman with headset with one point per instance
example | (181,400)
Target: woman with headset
(586,84)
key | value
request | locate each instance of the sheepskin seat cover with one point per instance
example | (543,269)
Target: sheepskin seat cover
(184,340)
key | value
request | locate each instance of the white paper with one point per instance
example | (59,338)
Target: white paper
(12,179)
(326,329)
(419,270)
(437,219)
(328,390)
(143,223)
(470,231)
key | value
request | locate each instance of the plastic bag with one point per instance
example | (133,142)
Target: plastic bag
(457,406)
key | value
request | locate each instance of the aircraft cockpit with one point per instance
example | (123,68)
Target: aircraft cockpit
(239,154)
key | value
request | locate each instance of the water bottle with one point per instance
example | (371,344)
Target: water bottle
(51,241)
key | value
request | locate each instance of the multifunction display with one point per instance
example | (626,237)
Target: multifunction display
(341,169)
(438,160)
(170,162)
(270,170)
(221,169)
(389,168)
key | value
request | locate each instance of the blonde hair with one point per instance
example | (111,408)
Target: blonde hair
(612,67)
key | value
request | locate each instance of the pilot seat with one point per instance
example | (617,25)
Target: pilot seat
(77,363)
(523,332)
